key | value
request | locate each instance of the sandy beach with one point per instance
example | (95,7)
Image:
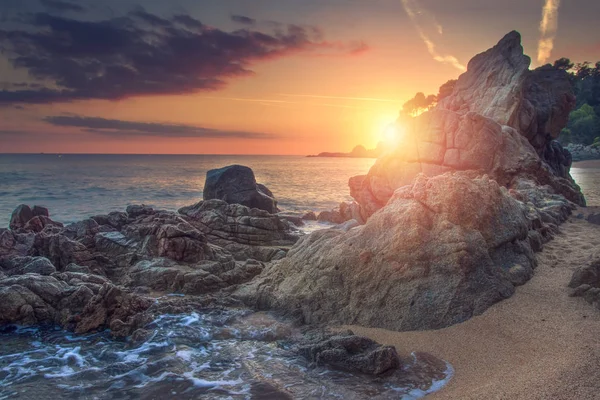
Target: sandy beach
(539,344)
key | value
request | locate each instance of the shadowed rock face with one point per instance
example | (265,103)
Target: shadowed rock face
(236,184)
(500,120)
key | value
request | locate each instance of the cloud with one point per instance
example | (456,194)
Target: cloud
(548,28)
(142,54)
(120,128)
(240,19)
(62,6)
(427,26)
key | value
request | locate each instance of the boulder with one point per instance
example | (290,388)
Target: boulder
(350,353)
(442,250)
(31,219)
(236,184)
(20,216)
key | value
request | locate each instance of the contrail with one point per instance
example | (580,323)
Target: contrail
(548,28)
(422,21)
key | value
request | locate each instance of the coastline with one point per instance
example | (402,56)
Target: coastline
(538,344)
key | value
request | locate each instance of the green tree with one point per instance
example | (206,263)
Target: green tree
(563,63)
(584,125)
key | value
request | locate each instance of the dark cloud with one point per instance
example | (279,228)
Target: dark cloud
(119,128)
(61,6)
(241,19)
(141,54)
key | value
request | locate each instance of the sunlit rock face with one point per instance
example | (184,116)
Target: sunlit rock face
(500,120)
(442,250)
(453,214)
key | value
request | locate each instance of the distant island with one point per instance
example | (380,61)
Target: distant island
(358,152)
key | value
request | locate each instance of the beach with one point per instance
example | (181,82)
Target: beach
(538,344)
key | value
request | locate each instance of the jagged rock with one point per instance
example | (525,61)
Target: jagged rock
(71,303)
(25,265)
(28,219)
(500,120)
(245,232)
(20,217)
(236,184)
(111,307)
(442,250)
(350,353)
(164,275)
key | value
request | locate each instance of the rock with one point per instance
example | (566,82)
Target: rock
(500,120)
(134,211)
(332,216)
(295,219)
(115,309)
(442,250)
(585,281)
(31,220)
(26,265)
(593,219)
(20,217)
(236,184)
(40,211)
(585,275)
(350,353)
(591,295)
(580,290)
(245,232)
(309,216)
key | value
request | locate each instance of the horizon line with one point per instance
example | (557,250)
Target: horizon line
(144,154)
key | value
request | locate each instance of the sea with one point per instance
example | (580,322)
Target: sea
(208,354)
(74,187)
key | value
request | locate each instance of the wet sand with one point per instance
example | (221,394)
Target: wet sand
(539,344)
(587,175)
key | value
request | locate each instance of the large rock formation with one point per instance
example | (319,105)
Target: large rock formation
(236,184)
(442,250)
(453,214)
(500,119)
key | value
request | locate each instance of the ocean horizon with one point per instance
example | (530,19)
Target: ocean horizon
(76,186)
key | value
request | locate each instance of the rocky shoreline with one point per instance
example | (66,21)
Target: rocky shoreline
(443,228)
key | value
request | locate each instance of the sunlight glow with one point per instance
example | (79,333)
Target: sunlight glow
(393,134)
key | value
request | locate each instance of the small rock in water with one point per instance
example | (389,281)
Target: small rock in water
(350,353)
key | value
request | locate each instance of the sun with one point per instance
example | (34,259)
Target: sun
(393,134)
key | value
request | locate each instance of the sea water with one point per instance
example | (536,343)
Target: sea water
(74,187)
(208,354)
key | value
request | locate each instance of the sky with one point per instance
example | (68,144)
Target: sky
(248,76)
